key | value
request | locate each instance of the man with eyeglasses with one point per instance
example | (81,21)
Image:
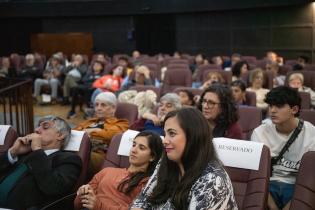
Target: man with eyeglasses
(36,170)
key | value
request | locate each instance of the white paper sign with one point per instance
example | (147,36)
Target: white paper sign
(238,153)
(3,132)
(75,141)
(46,98)
(126,142)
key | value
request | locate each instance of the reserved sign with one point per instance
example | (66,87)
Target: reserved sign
(238,153)
(75,141)
(126,142)
(3,133)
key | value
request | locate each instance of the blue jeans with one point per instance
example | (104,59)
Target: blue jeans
(281,192)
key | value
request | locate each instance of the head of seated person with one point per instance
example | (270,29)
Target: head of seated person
(218,107)
(186,98)
(183,172)
(146,151)
(29,60)
(256,79)
(213,77)
(169,102)
(105,105)
(296,80)
(239,69)
(142,74)
(238,88)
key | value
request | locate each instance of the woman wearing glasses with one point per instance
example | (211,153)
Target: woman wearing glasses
(218,107)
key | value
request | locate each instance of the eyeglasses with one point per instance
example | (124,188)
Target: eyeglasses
(209,103)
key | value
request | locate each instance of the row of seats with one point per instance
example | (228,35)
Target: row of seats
(250,186)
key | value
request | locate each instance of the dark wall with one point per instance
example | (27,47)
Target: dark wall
(287,30)
(110,34)
(249,27)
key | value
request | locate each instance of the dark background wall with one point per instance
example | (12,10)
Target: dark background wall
(212,27)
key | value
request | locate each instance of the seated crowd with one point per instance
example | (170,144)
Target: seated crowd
(164,173)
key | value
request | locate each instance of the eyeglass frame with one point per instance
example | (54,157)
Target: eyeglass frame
(209,103)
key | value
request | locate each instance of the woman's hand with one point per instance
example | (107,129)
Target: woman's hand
(87,196)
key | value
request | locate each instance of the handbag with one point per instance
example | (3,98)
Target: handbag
(292,138)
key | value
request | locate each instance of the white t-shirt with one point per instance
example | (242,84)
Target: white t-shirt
(288,166)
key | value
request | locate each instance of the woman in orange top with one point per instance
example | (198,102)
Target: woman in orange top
(110,82)
(116,188)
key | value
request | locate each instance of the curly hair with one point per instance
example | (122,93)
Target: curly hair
(229,114)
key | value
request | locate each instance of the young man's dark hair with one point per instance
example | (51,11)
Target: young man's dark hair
(282,95)
(240,84)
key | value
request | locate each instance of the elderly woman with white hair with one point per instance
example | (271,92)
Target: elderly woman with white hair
(296,80)
(153,122)
(102,127)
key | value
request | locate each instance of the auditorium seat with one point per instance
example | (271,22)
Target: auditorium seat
(112,158)
(250,59)
(176,78)
(84,153)
(308,115)
(250,118)
(205,67)
(250,98)
(9,139)
(127,111)
(309,67)
(304,191)
(251,186)
(305,100)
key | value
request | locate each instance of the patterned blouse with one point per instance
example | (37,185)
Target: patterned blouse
(212,191)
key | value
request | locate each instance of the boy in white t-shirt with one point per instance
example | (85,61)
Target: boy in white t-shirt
(284,106)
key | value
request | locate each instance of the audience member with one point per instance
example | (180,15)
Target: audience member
(140,77)
(73,75)
(5,68)
(102,128)
(116,188)
(301,62)
(256,80)
(273,57)
(296,81)
(283,127)
(109,83)
(189,176)
(212,77)
(154,122)
(186,98)
(36,170)
(85,88)
(29,70)
(51,77)
(218,107)
(278,80)
(239,70)
(238,88)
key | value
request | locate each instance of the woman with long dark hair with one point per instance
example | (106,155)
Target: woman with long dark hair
(218,107)
(189,176)
(115,188)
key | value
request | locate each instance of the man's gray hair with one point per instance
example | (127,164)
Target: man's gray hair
(172,98)
(62,127)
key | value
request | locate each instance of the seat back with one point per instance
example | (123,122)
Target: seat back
(250,118)
(194,91)
(251,186)
(127,111)
(112,158)
(250,98)
(84,153)
(308,115)
(305,100)
(176,78)
(9,139)
(304,192)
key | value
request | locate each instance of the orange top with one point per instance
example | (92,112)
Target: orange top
(108,197)
(114,81)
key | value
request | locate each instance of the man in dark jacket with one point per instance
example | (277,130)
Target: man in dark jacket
(36,171)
